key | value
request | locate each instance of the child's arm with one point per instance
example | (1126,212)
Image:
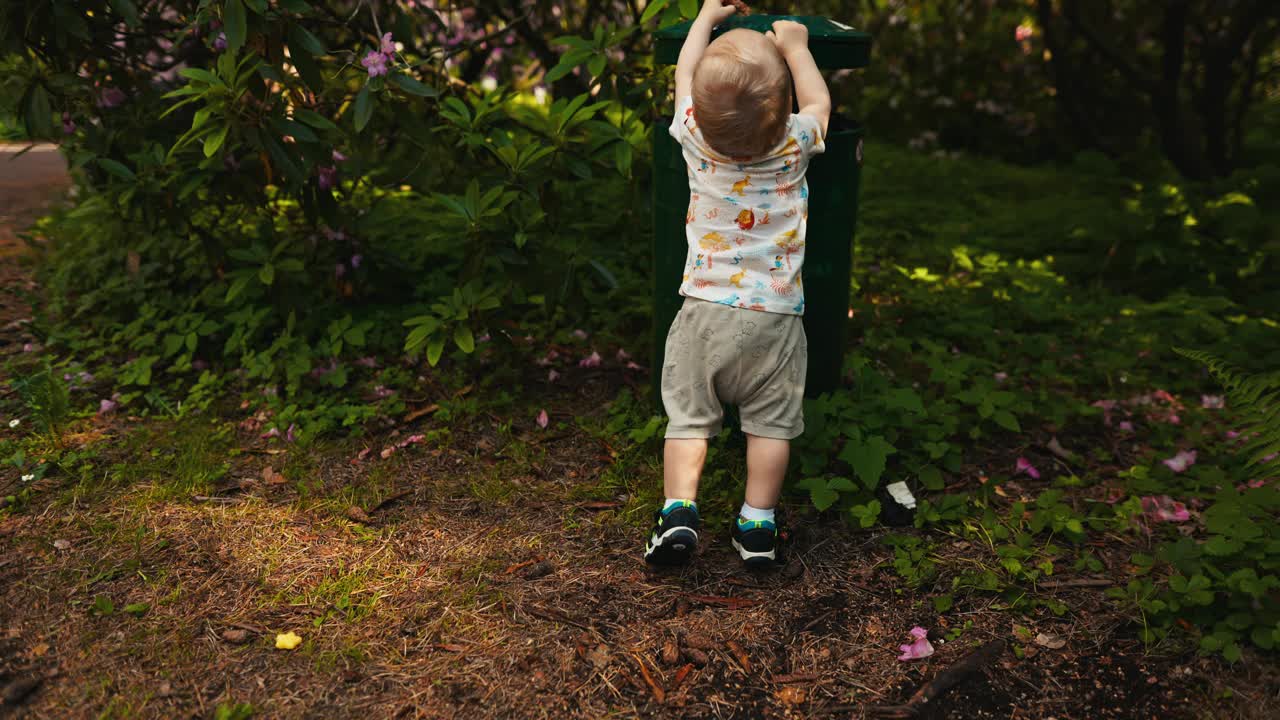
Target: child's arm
(695,44)
(812,95)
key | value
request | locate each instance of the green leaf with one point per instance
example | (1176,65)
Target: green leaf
(213,141)
(652,9)
(127,10)
(267,274)
(464,340)
(235,25)
(38,116)
(413,87)
(237,287)
(300,132)
(943,603)
(363,110)
(823,497)
(300,37)
(102,605)
(314,119)
(435,348)
(904,399)
(116,168)
(868,458)
(258,6)
(1075,526)
(199,75)
(689,9)
(137,609)
(596,65)
(308,69)
(931,477)
(1006,420)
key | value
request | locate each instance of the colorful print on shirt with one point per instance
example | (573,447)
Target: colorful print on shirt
(747,218)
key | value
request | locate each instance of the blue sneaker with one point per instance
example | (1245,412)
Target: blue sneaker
(674,536)
(756,542)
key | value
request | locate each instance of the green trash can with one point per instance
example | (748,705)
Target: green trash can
(833,177)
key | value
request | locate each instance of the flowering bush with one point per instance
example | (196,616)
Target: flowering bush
(276,189)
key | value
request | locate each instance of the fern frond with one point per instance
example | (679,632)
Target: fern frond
(1255,398)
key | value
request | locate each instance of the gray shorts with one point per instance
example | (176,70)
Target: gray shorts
(719,354)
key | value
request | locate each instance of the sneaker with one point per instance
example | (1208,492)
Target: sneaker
(674,536)
(756,542)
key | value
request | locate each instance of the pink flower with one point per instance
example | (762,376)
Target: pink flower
(1001,377)
(580,334)
(107,406)
(369,362)
(1126,426)
(1270,457)
(68,126)
(543,419)
(355,261)
(1180,462)
(376,63)
(326,176)
(30,347)
(549,358)
(1233,434)
(1164,508)
(220,42)
(272,433)
(634,366)
(111,97)
(1025,466)
(388,45)
(553,376)
(1257,483)
(382,391)
(339,157)
(623,355)
(1212,402)
(288,435)
(1023,33)
(920,646)
(590,361)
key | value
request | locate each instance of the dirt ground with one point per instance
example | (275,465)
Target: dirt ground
(489,576)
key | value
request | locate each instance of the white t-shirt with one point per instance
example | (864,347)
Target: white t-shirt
(747,218)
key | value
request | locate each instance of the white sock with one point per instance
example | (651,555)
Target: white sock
(754,513)
(676,502)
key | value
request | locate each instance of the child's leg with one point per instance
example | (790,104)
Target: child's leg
(766,467)
(682,467)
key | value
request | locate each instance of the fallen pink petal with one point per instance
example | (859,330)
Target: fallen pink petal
(543,419)
(1164,509)
(623,355)
(634,366)
(920,646)
(580,334)
(1212,402)
(107,406)
(1126,426)
(591,361)
(1024,466)
(553,376)
(1180,462)
(272,433)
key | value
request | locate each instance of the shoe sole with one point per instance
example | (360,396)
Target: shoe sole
(755,560)
(673,547)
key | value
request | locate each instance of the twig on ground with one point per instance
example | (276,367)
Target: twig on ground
(1076,583)
(942,682)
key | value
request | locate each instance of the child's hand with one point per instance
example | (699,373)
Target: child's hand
(789,36)
(717,11)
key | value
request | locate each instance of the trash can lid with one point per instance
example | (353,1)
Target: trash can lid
(834,45)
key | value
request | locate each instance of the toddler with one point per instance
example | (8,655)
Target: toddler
(739,337)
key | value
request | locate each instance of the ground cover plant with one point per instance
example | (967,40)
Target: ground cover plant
(323,398)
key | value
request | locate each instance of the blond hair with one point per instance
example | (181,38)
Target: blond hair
(742,95)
